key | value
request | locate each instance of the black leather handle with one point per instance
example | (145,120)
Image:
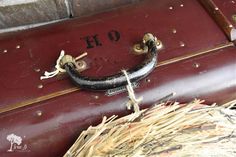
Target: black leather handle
(117,80)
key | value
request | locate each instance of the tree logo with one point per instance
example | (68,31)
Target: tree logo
(14,140)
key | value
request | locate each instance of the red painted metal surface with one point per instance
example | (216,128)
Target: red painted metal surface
(64,118)
(40,48)
(49,128)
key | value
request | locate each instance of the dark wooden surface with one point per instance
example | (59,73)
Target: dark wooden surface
(198,61)
(87,7)
(22,13)
(14,14)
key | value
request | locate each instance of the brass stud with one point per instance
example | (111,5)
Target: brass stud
(148,80)
(159,44)
(196,65)
(182,44)
(138,50)
(174,31)
(96,97)
(40,86)
(37,70)
(141,49)
(39,113)
(137,47)
(81,65)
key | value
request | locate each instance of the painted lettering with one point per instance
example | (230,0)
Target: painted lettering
(92,41)
(114,36)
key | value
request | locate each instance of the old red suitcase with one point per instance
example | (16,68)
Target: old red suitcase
(198,61)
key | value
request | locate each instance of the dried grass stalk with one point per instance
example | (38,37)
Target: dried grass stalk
(177,130)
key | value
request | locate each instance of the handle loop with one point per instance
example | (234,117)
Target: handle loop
(117,80)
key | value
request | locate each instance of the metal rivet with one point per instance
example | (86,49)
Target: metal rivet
(181,5)
(96,97)
(216,8)
(5,51)
(171,8)
(39,113)
(196,65)
(37,70)
(181,44)
(231,26)
(81,65)
(148,80)
(137,46)
(174,31)
(40,86)
(18,46)
(138,50)
(159,44)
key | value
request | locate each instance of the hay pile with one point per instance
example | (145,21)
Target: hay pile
(176,130)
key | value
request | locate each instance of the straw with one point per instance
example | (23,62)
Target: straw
(191,129)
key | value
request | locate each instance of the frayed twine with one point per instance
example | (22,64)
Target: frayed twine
(133,101)
(58,68)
